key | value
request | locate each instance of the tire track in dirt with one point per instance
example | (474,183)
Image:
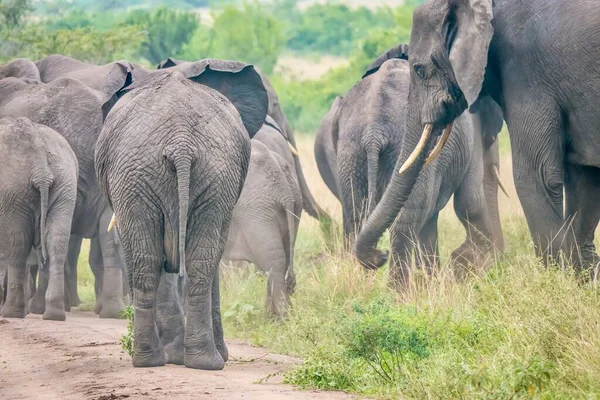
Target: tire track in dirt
(82,359)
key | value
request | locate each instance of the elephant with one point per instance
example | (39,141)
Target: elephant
(276,112)
(544,78)
(356,151)
(265,224)
(37,200)
(76,112)
(20,68)
(172,159)
(107,79)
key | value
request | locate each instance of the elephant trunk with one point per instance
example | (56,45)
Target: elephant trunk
(182,167)
(396,194)
(43,188)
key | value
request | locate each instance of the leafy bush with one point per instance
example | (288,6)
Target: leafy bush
(128,338)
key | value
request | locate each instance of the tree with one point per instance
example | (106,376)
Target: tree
(247,33)
(167,31)
(13,11)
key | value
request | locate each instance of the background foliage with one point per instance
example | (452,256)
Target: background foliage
(257,32)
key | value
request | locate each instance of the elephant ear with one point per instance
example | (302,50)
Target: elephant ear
(169,63)
(400,52)
(468,32)
(118,78)
(239,82)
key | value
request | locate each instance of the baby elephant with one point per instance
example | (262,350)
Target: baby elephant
(265,224)
(38,187)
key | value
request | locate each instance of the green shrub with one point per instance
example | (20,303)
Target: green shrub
(127,340)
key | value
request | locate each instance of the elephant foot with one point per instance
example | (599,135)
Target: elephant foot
(127,300)
(10,312)
(210,361)
(223,351)
(75,301)
(67,305)
(37,304)
(174,352)
(54,314)
(154,359)
(112,308)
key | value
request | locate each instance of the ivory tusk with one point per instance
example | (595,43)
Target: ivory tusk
(293,149)
(440,146)
(112,223)
(497,176)
(420,146)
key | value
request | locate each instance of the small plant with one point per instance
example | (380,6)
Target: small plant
(127,340)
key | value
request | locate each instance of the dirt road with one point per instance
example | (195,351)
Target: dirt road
(81,359)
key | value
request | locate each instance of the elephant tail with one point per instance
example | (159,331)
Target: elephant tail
(182,168)
(372,172)
(43,187)
(293,218)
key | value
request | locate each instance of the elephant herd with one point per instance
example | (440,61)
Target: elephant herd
(169,171)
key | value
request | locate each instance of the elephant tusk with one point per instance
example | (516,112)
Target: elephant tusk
(292,149)
(112,223)
(417,151)
(440,146)
(497,176)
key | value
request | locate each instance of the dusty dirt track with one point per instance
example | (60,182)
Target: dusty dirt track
(81,359)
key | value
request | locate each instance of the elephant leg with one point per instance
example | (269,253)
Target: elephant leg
(536,134)
(216,319)
(71,270)
(270,257)
(37,303)
(470,208)
(112,286)
(203,257)
(169,317)
(582,187)
(57,243)
(97,265)
(428,244)
(13,260)
(142,249)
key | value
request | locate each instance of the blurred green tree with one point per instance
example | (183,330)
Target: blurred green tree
(167,31)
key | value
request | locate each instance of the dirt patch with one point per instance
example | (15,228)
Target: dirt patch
(81,359)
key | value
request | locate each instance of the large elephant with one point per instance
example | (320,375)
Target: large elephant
(538,61)
(361,142)
(265,224)
(76,112)
(172,159)
(20,68)
(368,132)
(276,112)
(38,187)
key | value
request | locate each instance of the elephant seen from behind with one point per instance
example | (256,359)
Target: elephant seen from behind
(172,159)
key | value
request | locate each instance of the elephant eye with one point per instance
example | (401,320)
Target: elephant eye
(420,70)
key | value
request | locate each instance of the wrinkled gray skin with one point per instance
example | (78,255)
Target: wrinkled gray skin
(265,224)
(107,79)
(368,132)
(276,112)
(38,188)
(173,187)
(538,61)
(75,111)
(20,68)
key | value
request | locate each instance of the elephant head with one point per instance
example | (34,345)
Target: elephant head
(20,68)
(448,58)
